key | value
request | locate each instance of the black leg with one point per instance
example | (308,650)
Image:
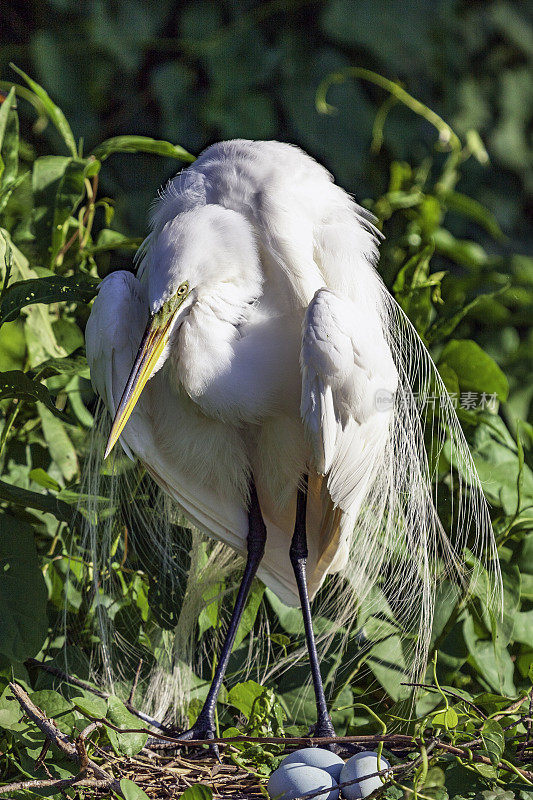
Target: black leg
(204,726)
(298,556)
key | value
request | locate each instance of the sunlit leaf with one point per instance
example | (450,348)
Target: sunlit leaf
(140,144)
(52,289)
(55,113)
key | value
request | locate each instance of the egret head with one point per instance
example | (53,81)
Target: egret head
(206,253)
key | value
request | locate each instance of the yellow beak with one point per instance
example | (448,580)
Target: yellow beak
(153,343)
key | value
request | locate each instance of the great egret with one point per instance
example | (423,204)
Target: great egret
(261,372)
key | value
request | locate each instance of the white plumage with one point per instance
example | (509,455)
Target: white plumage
(274,367)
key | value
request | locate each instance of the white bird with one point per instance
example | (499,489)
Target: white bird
(261,372)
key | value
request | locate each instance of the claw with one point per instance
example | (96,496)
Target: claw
(202,729)
(323,728)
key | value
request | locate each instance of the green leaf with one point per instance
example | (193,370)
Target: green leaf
(70,366)
(140,144)
(468,207)
(56,707)
(475,370)
(60,447)
(12,346)
(413,288)
(113,240)
(462,251)
(90,705)
(10,712)
(9,141)
(7,191)
(197,792)
(55,113)
(44,479)
(52,289)
(23,592)
(250,612)
(128,744)
(40,502)
(523,627)
(131,791)
(447,718)
(291,618)
(494,664)
(493,739)
(243,695)
(17,384)
(445,325)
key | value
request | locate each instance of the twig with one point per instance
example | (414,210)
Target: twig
(61,740)
(32,662)
(55,783)
(390,740)
(137,671)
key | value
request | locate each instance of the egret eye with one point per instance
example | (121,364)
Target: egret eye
(182,289)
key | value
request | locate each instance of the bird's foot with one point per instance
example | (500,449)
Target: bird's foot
(324,728)
(204,729)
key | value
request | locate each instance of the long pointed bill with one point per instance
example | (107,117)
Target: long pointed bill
(153,343)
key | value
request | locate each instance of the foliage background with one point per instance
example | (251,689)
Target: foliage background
(194,73)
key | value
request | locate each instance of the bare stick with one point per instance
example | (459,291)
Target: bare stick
(61,740)
(59,784)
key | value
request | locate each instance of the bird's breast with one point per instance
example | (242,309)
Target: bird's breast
(242,371)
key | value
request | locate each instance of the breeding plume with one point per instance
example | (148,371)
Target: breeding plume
(260,371)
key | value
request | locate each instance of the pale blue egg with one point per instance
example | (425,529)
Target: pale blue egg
(365,763)
(293,780)
(317,757)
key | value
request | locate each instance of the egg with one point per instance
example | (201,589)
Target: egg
(293,780)
(365,763)
(317,757)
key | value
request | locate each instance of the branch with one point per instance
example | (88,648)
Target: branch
(61,740)
(57,785)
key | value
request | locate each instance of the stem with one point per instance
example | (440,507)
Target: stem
(446,134)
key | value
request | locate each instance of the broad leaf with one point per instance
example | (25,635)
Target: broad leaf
(493,739)
(91,705)
(131,791)
(23,592)
(128,744)
(52,289)
(198,792)
(17,384)
(56,707)
(475,370)
(243,696)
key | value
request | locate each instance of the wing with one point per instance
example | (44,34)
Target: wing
(360,365)
(112,336)
(346,367)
